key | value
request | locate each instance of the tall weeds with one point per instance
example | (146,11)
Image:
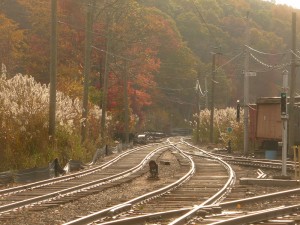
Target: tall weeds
(225,128)
(24,115)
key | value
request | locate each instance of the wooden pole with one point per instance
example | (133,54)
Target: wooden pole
(212,101)
(53,69)
(87,68)
(126,105)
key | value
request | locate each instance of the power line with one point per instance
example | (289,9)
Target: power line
(206,25)
(272,67)
(175,89)
(198,87)
(78,28)
(295,54)
(232,59)
(112,54)
(266,53)
(178,101)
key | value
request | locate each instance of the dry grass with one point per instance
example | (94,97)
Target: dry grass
(223,119)
(24,113)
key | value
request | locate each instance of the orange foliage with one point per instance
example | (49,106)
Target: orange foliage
(11,44)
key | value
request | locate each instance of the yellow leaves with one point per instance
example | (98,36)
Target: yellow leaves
(70,85)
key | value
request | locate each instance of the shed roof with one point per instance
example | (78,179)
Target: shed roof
(274,100)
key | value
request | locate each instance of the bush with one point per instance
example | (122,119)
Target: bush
(24,115)
(223,119)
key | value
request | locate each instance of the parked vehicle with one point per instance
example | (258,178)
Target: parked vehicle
(141,139)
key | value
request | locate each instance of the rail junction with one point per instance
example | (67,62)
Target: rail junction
(192,186)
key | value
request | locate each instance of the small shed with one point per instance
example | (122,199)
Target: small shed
(268,118)
(269,122)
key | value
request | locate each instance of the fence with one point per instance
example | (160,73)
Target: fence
(54,169)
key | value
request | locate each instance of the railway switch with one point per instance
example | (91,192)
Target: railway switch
(153,168)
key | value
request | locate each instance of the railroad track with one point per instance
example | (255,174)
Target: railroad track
(53,192)
(211,180)
(270,209)
(243,161)
(276,208)
(86,172)
(187,198)
(191,216)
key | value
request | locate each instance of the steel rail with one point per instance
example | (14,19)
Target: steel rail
(127,205)
(170,214)
(261,197)
(67,177)
(229,183)
(266,163)
(259,163)
(147,217)
(79,188)
(215,198)
(259,215)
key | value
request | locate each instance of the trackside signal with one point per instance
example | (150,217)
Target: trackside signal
(283,104)
(238,109)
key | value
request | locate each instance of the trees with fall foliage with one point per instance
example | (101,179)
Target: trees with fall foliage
(165,39)
(163,47)
(12,44)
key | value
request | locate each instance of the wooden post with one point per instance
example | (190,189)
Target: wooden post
(53,69)
(87,68)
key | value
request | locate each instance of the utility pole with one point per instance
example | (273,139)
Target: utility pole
(206,91)
(212,102)
(246,90)
(87,68)
(284,118)
(105,88)
(53,69)
(198,107)
(292,85)
(126,106)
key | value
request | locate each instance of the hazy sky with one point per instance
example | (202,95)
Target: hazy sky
(293,3)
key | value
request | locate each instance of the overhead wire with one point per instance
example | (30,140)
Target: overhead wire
(111,54)
(178,101)
(266,53)
(295,54)
(205,23)
(270,67)
(251,107)
(174,89)
(232,59)
(78,28)
(198,87)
